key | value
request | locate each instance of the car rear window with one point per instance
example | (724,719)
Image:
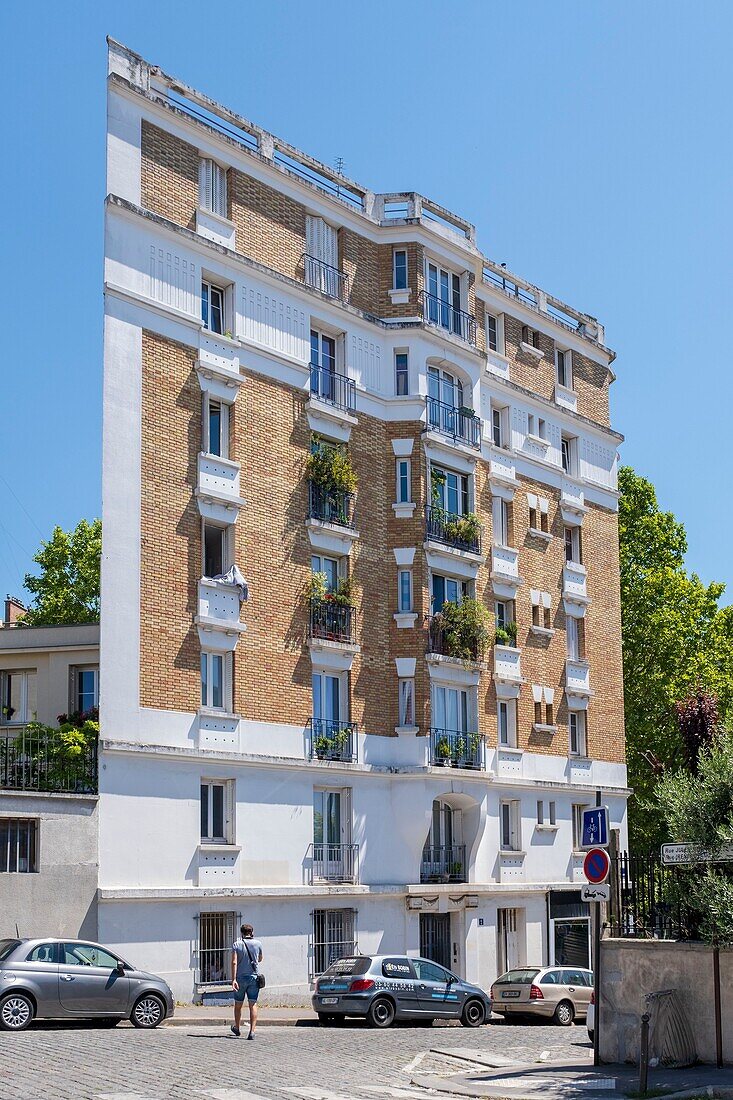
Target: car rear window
(7,947)
(397,968)
(357,964)
(517,977)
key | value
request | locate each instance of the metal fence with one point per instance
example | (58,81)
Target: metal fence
(332,621)
(333,740)
(334,863)
(444,863)
(325,278)
(335,389)
(330,505)
(34,760)
(436,311)
(460,424)
(452,529)
(456,748)
(647,899)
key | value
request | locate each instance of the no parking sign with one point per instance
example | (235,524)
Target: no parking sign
(596,866)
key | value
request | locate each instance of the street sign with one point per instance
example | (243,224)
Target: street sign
(689,853)
(596,866)
(595,893)
(595,827)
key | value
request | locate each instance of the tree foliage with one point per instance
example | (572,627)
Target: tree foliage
(676,640)
(67,588)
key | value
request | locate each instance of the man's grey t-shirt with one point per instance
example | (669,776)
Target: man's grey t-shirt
(245,955)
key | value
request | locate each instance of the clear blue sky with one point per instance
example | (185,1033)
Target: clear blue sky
(590,144)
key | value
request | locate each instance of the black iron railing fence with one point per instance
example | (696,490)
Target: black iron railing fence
(332,622)
(649,899)
(460,424)
(461,532)
(438,312)
(34,760)
(443,863)
(456,748)
(330,505)
(334,862)
(323,277)
(441,639)
(335,389)
(333,740)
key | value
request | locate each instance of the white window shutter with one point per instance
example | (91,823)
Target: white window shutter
(206,193)
(330,253)
(219,191)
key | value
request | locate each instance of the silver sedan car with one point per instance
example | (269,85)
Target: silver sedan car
(62,979)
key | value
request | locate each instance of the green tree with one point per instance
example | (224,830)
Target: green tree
(67,587)
(676,640)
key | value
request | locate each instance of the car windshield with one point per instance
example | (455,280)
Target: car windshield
(7,947)
(517,977)
(358,964)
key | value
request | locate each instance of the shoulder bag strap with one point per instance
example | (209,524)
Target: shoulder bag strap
(252,960)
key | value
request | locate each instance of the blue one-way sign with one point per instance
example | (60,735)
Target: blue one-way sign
(595,827)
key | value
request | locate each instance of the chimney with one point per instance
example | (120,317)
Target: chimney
(13,610)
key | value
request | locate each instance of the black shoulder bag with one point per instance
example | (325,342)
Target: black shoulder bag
(256,967)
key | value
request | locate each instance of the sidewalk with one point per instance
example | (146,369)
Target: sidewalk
(221,1015)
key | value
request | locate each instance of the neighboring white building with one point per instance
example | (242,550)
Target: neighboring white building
(220,361)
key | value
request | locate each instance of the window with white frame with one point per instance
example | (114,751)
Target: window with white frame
(500,425)
(213,300)
(539,513)
(500,521)
(216,549)
(573,545)
(510,822)
(503,613)
(444,298)
(404,590)
(453,709)
(18,845)
(399,269)
(212,187)
(320,563)
(564,368)
(578,809)
(215,427)
(506,722)
(401,373)
(546,814)
(217,811)
(449,491)
(330,701)
(334,936)
(577,733)
(446,590)
(406,701)
(575,636)
(569,453)
(404,481)
(492,332)
(541,609)
(86,688)
(215,680)
(216,934)
(19,696)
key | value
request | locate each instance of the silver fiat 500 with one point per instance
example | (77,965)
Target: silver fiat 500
(385,988)
(59,979)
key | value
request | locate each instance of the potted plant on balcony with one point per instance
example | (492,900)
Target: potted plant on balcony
(330,467)
(341,739)
(462,630)
(443,752)
(472,758)
(455,871)
(506,635)
(323,746)
(316,587)
(459,752)
(466,529)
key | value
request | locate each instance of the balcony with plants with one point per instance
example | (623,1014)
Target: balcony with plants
(331,484)
(48,759)
(333,740)
(331,611)
(443,863)
(460,631)
(456,749)
(460,532)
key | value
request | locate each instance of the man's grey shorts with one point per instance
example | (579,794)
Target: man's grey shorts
(248,988)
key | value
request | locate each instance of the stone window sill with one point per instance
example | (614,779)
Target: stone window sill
(536,533)
(400,297)
(405,619)
(542,631)
(530,349)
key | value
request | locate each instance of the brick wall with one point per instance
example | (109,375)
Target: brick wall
(269,226)
(169,180)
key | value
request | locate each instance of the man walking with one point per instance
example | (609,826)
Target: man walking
(246,957)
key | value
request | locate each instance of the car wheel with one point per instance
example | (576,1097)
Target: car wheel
(474,1014)
(16,1012)
(564,1014)
(148,1012)
(381,1013)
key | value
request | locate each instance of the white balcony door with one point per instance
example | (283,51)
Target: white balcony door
(326,697)
(331,827)
(450,709)
(572,636)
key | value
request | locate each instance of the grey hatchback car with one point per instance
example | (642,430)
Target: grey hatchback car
(61,979)
(385,988)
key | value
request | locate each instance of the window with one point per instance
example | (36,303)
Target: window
(333,937)
(446,388)
(217,933)
(568,451)
(431,972)
(575,631)
(18,844)
(573,545)
(402,373)
(331,821)
(406,701)
(215,550)
(19,696)
(500,521)
(214,680)
(212,187)
(577,733)
(491,333)
(399,269)
(563,365)
(446,590)
(444,299)
(541,609)
(404,599)
(87,688)
(578,824)
(321,242)
(543,715)
(87,954)
(44,953)
(530,336)
(329,566)
(545,812)
(506,721)
(449,491)
(451,709)
(323,351)
(327,701)
(216,428)
(511,826)
(500,426)
(404,487)
(536,426)
(539,513)
(217,799)
(504,613)
(212,307)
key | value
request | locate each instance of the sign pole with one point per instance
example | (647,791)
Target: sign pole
(597,971)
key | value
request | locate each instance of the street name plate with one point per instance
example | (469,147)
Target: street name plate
(689,853)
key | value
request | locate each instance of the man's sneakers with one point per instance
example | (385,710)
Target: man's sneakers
(251,1035)
(235,1031)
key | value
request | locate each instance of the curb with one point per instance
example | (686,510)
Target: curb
(225,1021)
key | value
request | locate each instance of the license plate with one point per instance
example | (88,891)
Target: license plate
(329,1000)
(507,993)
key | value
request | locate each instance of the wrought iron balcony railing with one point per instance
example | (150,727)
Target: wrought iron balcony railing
(329,280)
(335,389)
(333,740)
(332,621)
(443,641)
(435,311)
(330,505)
(444,863)
(33,760)
(460,424)
(334,863)
(455,748)
(461,532)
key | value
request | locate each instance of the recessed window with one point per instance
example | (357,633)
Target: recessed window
(213,680)
(405,590)
(511,825)
(530,336)
(541,609)
(449,490)
(563,365)
(573,545)
(546,814)
(444,300)
(578,809)
(499,425)
(334,937)
(18,845)
(216,427)
(212,307)
(86,694)
(212,187)
(544,711)
(19,696)
(575,632)
(491,332)
(500,515)
(215,555)
(329,567)
(506,722)
(446,590)
(399,269)
(569,454)
(402,373)
(216,934)
(216,800)
(406,701)
(577,733)
(404,490)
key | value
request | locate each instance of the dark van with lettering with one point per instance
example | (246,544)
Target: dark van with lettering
(385,988)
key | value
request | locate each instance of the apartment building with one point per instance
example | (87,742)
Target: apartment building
(384,737)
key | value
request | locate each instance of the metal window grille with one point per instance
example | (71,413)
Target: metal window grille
(18,844)
(216,934)
(334,935)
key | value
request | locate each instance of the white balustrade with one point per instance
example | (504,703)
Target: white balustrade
(507,662)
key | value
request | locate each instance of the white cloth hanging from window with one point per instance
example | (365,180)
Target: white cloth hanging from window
(233,576)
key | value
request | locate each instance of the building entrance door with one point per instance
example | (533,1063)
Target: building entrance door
(508,954)
(435,938)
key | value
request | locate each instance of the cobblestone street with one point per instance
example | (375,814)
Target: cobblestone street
(58,1062)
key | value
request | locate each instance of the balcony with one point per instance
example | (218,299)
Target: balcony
(33,759)
(507,664)
(444,864)
(337,863)
(577,678)
(572,504)
(331,740)
(217,489)
(443,315)
(505,571)
(574,589)
(334,389)
(330,505)
(321,276)
(460,425)
(217,620)
(448,636)
(460,532)
(456,749)
(332,622)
